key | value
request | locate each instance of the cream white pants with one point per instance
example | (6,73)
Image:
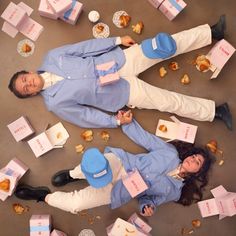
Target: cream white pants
(144,95)
(88,197)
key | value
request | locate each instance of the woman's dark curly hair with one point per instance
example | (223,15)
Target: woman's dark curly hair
(193,183)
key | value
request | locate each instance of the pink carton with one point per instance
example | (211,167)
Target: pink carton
(223,203)
(219,55)
(46,10)
(122,227)
(134,183)
(14,15)
(156,3)
(71,16)
(60,6)
(177,130)
(55,137)
(20,128)
(40,225)
(171,8)
(57,233)
(107,73)
(17,166)
(6,173)
(139,223)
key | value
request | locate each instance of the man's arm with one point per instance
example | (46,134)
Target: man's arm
(93,47)
(86,117)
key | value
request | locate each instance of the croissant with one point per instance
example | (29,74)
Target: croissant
(5,185)
(138,27)
(26,48)
(99,28)
(124,20)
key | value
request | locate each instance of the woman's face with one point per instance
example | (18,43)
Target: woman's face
(193,163)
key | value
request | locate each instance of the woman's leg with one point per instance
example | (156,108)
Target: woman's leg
(186,41)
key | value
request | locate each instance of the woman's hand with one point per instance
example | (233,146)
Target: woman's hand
(127,41)
(125,117)
(147,211)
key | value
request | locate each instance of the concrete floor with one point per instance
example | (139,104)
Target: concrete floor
(171,217)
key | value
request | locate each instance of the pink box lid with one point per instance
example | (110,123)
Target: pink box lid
(40,144)
(14,14)
(139,223)
(208,207)
(9,29)
(46,10)
(31,29)
(40,220)
(17,166)
(156,3)
(60,6)
(72,15)
(20,128)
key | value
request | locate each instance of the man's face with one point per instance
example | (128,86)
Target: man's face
(29,84)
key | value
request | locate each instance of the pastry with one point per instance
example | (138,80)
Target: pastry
(5,185)
(79,148)
(174,65)
(185,79)
(162,128)
(124,20)
(105,135)
(138,27)
(87,135)
(19,209)
(196,223)
(99,29)
(202,63)
(162,72)
(26,48)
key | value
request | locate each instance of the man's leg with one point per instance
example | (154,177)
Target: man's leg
(144,95)
(186,41)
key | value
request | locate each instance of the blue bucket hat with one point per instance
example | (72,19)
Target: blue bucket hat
(161,46)
(96,168)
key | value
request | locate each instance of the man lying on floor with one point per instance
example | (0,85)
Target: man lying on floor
(68,79)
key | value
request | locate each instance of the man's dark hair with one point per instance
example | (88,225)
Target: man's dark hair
(12,84)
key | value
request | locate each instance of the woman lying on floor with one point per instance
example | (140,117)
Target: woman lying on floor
(174,171)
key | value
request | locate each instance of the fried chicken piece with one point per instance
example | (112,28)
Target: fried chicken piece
(124,20)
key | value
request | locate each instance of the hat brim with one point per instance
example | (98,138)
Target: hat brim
(101,181)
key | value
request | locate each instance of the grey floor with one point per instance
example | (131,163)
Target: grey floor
(170,218)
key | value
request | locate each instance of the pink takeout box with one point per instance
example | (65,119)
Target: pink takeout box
(156,3)
(223,203)
(27,26)
(60,6)
(139,223)
(106,74)
(134,183)
(219,55)
(54,137)
(177,130)
(56,232)
(122,227)
(71,16)
(46,10)
(15,169)
(171,8)
(14,15)
(40,225)
(13,176)
(20,128)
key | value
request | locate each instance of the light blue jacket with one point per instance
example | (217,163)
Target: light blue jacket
(79,98)
(153,166)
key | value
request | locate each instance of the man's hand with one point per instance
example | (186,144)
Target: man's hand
(125,117)
(147,211)
(127,41)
